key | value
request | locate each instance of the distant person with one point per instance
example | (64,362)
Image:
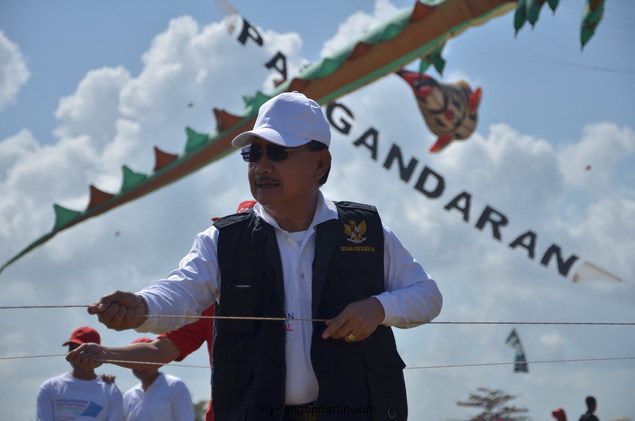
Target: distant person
(591,405)
(159,397)
(80,394)
(559,414)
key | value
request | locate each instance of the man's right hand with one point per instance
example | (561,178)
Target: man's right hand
(86,355)
(120,310)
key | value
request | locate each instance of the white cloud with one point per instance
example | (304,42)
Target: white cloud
(552,339)
(13,71)
(590,164)
(93,108)
(114,118)
(356,25)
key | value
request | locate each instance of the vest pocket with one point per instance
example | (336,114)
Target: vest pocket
(387,393)
(239,300)
(386,383)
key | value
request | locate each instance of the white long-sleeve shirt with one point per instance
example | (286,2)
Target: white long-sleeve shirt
(411,297)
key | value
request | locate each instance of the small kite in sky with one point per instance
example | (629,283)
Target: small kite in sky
(521,362)
(449,109)
(590,272)
(230,13)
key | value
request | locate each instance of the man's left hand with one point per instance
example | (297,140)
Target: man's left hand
(356,322)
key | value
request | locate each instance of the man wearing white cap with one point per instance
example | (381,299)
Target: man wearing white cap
(311,287)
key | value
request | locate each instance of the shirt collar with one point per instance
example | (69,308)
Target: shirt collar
(325,210)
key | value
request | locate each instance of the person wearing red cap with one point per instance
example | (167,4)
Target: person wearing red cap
(167,347)
(309,288)
(80,394)
(559,414)
(159,396)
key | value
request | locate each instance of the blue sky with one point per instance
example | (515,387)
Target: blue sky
(554,151)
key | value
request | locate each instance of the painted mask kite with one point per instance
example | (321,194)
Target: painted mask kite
(449,109)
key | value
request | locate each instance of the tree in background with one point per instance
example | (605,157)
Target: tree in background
(199,410)
(493,403)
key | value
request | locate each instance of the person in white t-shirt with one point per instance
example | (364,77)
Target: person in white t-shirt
(80,394)
(159,396)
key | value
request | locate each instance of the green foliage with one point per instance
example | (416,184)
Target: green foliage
(199,410)
(493,405)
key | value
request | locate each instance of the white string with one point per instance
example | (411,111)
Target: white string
(406,368)
(323,320)
(152,363)
(519,362)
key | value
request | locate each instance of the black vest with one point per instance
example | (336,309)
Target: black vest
(357,381)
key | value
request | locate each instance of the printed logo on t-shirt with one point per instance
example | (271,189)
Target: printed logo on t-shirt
(287,324)
(70,409)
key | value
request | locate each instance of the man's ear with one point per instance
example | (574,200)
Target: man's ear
(323,163)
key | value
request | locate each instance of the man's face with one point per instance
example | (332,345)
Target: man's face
(277,184)
(145,374)
(71,347)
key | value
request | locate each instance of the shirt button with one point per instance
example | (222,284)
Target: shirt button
(302,276)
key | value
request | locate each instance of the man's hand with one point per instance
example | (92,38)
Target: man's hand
(108,378)
(86,355)
(120,310)
(356,322)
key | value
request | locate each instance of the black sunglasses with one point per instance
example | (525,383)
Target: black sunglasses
(274,152)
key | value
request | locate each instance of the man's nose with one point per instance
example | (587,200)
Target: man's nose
(264,164)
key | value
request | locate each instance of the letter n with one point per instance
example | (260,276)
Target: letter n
(563,266)
(405,172)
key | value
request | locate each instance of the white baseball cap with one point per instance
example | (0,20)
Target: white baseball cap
(288,119)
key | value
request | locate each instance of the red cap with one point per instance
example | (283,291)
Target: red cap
(83,335)
(144,339)
(244,206)
(559,414)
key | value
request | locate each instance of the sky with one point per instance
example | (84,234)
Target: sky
(86,87)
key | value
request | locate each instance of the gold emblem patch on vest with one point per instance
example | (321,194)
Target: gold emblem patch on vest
(355,232)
